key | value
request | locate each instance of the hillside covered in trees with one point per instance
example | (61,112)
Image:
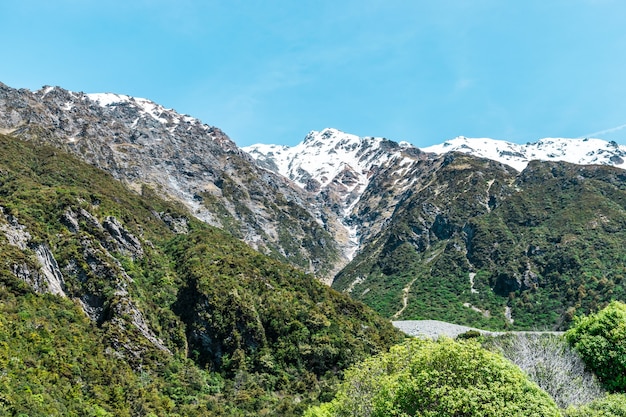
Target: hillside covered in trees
(119,304)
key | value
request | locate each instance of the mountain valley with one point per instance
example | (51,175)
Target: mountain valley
(474,231)
(144,252)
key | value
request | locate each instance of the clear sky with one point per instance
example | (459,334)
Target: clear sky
(270,71)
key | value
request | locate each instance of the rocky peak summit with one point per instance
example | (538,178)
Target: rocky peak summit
(331,161)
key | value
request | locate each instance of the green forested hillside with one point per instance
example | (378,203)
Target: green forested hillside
(477,244)
(119,304)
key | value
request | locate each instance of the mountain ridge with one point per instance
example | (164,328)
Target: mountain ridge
(414,234)
(141,142)
(581,151)
(119,303)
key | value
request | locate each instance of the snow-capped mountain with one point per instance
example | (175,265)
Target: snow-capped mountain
(337,168)
(331,156)
(331,160)
(577,151)
(145,108)
(479,230)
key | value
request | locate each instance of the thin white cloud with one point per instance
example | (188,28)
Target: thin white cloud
(605,131)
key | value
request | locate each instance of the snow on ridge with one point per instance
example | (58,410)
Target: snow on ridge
(578,151)
(108,99)
(145,106)
(323,155)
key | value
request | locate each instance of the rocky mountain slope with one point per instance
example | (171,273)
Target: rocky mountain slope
(336,168)
(423,222)
(473,231)
(115,303)
(140,142)
(474,242)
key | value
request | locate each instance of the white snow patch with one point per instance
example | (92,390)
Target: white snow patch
(577,151)
(146,107)
(323,155)
(108,99)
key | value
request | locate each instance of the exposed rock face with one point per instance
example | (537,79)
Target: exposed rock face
(140,142)
(46,276)
(124,240)
(50,270)
(339,169)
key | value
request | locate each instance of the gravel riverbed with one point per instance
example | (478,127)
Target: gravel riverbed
(432,329)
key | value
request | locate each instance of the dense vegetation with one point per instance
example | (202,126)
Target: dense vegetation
(161,313)
(601,340)
(511,374)
(483,246)
(613,405)
(442,378)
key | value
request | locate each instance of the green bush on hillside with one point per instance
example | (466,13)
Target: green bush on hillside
(613,405)
(601,340)
(437,378)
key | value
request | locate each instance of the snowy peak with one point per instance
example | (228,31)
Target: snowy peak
(144,106)
(326,157)
(140,112)
(336,167)
(577,151)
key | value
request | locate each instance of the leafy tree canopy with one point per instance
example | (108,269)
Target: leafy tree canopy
(601,340)
(437,378)
(613,405)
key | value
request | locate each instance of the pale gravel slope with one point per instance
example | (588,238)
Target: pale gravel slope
(433,329)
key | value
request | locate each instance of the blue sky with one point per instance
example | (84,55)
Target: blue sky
(270,71)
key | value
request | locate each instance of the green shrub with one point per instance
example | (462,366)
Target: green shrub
(613,405)
(470,334)
(601,340)
(437,378)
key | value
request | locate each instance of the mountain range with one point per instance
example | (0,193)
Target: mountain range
(372,217)
(417,218)
(116,300)
(137,239)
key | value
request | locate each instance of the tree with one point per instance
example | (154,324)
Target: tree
(437,378)
(601,341)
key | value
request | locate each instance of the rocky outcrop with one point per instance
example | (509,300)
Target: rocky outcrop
(142,143)
(46,276)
